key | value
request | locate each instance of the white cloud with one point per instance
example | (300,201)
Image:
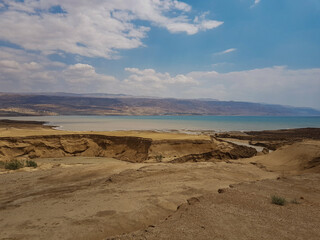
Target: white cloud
(256,2)
(277,85)
(24,71)
(149,82)
(150,75)
(203,24)
(226,51)
(85,74)
(96,28)
(33,73)
(21,71)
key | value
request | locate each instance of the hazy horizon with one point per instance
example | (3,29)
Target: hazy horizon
(120,95)
(262,51)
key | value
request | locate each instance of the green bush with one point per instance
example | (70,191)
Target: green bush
(2,164)
(13,164)
(278,200)
(30,163)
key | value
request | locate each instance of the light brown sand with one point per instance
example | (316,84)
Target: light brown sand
(300,157)
(96,198)
(245,212)
(38,131)
(92,198)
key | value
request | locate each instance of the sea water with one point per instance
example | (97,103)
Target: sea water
(167,123)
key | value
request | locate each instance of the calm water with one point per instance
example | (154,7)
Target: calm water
(216,123)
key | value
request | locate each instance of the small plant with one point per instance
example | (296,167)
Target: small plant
(294,201)
(13,165)
(2,164)
(30,163)
(159,158)
(278,200)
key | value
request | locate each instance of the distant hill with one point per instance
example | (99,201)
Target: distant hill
(106,104)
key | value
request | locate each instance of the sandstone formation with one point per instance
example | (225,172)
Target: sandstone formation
(132,149)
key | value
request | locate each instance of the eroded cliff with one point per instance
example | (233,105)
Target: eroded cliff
(132,149)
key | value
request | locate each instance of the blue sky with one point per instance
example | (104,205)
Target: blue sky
(244,50)
(273,32)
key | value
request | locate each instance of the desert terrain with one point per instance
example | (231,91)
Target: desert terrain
(156,185)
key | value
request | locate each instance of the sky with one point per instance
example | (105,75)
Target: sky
(265,51)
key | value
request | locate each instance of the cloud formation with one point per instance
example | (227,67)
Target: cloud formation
(277,85)
(226,51)
(96,28)
(148,82)
(24,71)
(255,3)
(21,71)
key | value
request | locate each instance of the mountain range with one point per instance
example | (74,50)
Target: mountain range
(35,104)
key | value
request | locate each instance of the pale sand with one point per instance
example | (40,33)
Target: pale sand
(92,198)
(245,212)
(24,132)
(96,198)
(291,159)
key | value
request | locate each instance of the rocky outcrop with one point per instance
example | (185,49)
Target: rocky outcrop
(274,139)
(132,149)
(168,150)
(219,154)
(314,163)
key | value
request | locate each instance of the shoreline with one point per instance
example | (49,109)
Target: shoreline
(210,141)
(37,127)
(190,124)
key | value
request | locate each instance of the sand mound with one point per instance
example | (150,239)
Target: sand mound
(293,159)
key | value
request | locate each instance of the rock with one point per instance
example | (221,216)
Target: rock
(221,190)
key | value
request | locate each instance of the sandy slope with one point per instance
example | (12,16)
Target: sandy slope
(300,157)
(92,198)
(245,212)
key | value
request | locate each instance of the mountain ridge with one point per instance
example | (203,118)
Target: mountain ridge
(39,104)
